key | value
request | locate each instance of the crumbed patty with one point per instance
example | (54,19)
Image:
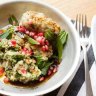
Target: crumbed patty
(38,21)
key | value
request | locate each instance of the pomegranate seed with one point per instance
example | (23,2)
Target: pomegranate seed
(27,32)
(40,34)
(46,42)
(25,49)
(49,72)
(1,71)
(30,52)
(41,79)
(21,28)
(51,68)
(1,31)
(32,34)
(35,37)
(13,42)
(54,70)
(39,39)
(23,71)
(43,48)
(6,80)
(46,48)
(43,41)
(30,22)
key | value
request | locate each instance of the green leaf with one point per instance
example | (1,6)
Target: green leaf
(9,36)
(46,67)
(32,41)
(49,35)
(13,21)
(4,35)
(18,57)
(59,48)
(61,40)
(8,33)
(39,59)
(63,36)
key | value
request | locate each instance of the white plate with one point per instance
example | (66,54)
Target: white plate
(93,35)
(70,54)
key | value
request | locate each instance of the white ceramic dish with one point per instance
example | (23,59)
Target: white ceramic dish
(70,54)
(93,34)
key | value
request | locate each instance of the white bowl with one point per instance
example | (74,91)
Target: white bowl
(70,54)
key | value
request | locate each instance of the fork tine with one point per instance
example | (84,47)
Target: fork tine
(79,22)
(76,21)
(80,25)
(86,32)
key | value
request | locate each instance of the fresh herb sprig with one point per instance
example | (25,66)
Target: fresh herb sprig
(57,40)
(8,33)
(13,21)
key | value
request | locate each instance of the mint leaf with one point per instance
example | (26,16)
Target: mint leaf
(8,33)
(63,36)
(61,40)
(11,31)
(59,47)
(4,35)
(12,20)
(38,59)
(49,35)
(32,41)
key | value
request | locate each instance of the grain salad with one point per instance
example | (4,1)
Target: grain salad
(30,49)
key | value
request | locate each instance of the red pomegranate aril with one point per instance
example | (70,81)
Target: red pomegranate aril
(30,52)
(13,42)
(0,40)
(35,37)
(30,22)
(1,71)
(25,49)
(46,42)
(6,80)
(1,31)
(27,32)
(43,41)
(41,79)
(49,72)
(55,70)
(40,34)
(23,71)
(21,28)
(32,34)
(39,39)
(46,48)
(43,48)
(51,68)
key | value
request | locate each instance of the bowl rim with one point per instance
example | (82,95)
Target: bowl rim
(68,75)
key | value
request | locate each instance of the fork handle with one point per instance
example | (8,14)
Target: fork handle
(87,74)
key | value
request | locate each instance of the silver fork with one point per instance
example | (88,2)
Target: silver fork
(81,24)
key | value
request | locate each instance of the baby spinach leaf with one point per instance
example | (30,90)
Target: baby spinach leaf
(12,20)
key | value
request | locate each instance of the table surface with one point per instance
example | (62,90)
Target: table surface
(73,7)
